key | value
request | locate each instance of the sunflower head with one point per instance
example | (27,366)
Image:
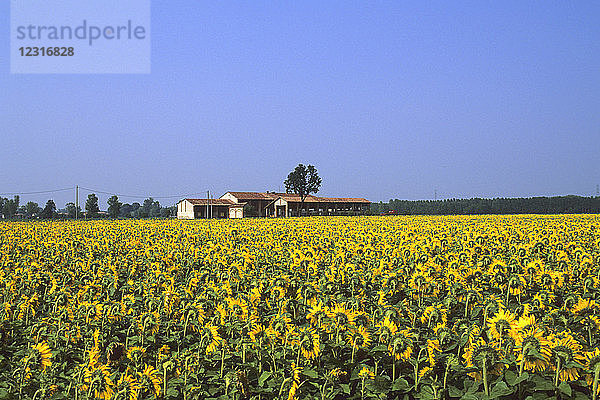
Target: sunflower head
(258,334)
(366,373)
(341,316)
(39,356)
(501,324)
(592,359)
(400,346)
(136,354)
(98,380)
(150,380)
(359,337)
(533,349)
(566,355)
(584,307)
(115,351)
(308,340)
(129,386)
(433,351)
(480,353)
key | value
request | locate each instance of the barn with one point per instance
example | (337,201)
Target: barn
(269,204)
(211,208)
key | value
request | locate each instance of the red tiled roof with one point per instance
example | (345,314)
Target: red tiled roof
(344,200)
(292,197)
(213,202)
(252,195)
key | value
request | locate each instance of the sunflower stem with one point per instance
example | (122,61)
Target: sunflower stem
(485,313)
(595,386)
(362,389)
(446,377)
(222,359)
(164,381)
(281,387)
(394,363)
(485,381)
(416,368)
(521,373)
(557,372)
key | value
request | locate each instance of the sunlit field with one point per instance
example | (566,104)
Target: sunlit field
(310,308)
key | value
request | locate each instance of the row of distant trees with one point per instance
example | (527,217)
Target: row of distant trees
(530,205)
(150,208)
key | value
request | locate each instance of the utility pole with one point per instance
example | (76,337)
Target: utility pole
(207,201)
(77,202)
(435,194)
(597,190)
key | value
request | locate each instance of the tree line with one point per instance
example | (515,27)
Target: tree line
(520,205)
(150,208)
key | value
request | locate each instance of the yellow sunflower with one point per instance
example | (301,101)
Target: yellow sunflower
(257,334)
(129,386)
(315,313)
(238,308)
(386,329)
(149,322)
(97,379)
(584,307)
(567,357)
(309,342)
(359,337)
(136,353)
(482,355)
(501,324)
(526,321)
(365,373)
(342,317)
(516,284)
(150,380)
(433,351)
(40,356)
(295,381)
(214,339)
(592,359)
(533,349)
(401,345)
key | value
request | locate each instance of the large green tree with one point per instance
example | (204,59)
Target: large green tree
(150,208)
(72,210)
(10,207)
(303,180)
(91,206)
(114,206)
(32,208)
(49,210)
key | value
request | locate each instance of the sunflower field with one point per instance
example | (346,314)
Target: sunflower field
(485,307)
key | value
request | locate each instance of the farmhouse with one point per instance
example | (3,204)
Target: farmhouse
(211,208)
(269,204)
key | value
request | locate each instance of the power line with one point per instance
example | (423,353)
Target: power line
(139,197)
(37,192)
(97,191)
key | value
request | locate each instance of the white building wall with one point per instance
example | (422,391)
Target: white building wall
(282,202)
(229,196)
(185,210)
(236,212)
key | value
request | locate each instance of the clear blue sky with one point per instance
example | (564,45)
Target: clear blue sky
(387,99)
